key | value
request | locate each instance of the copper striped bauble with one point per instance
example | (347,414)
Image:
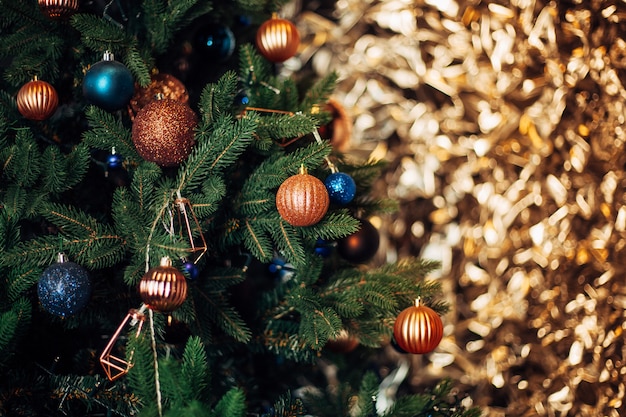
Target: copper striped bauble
(37,100)
(58,9)
(418,329)
(277,39)
(163,288)
(302,200)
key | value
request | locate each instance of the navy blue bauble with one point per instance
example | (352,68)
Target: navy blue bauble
(324,248)
(192,271)
(64,288)
(108,84)
(215,42)
(341,188)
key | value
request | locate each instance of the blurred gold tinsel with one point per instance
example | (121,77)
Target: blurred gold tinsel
(504,127)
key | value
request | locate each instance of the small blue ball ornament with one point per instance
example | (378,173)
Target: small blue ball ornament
(114,161)
(215,41)
(64,288)
(324,248)
(341,188)
(108,84)
(192,271)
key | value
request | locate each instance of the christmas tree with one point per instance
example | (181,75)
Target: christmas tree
(179,234)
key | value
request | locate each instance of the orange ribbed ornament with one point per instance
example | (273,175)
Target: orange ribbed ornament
(418,329)
(277,39)
(302,200)
(37,100)
(163,288)
(58,9)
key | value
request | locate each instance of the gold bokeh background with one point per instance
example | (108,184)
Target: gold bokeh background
(503,124)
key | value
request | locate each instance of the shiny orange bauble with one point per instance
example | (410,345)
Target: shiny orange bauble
(302,200)
(37,100)
(58,9)
(418,329)
(277,39)
(163,288)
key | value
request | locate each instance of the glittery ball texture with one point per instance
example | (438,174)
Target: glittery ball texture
(64,288)
(302,200)
(162,84)
(163,132)
(341,188)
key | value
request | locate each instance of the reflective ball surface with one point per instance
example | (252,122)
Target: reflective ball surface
(108,84)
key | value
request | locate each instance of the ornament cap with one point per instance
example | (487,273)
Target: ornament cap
(108,56)
(61,257)
(165,261)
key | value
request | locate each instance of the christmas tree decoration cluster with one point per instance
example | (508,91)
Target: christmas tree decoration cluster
(198,238)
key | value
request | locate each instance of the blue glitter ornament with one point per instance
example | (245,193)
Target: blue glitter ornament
(341,188)
(215,42)
(64,288)
(108,84)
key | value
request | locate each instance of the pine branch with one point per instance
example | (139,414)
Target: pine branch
(287,406)
(99,34)
(41,251)
(141,374)
(232,404)
(256,240)
(195,370)
(21,279)
(216,99)
(14,202)
(367,392)
(317,96)
(107,132)
(222,314)
(23,161)
(227,141)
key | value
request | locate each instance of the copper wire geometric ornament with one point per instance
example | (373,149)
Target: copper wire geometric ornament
(189,228)
(115,367)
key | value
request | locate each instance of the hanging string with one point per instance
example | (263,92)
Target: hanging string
(320,141)
(106,15)
(157,383)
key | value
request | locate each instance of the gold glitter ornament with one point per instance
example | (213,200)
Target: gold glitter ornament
(161,85)
(37,100)
(302,200)
(277,39)
(163,288)
(163,132)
